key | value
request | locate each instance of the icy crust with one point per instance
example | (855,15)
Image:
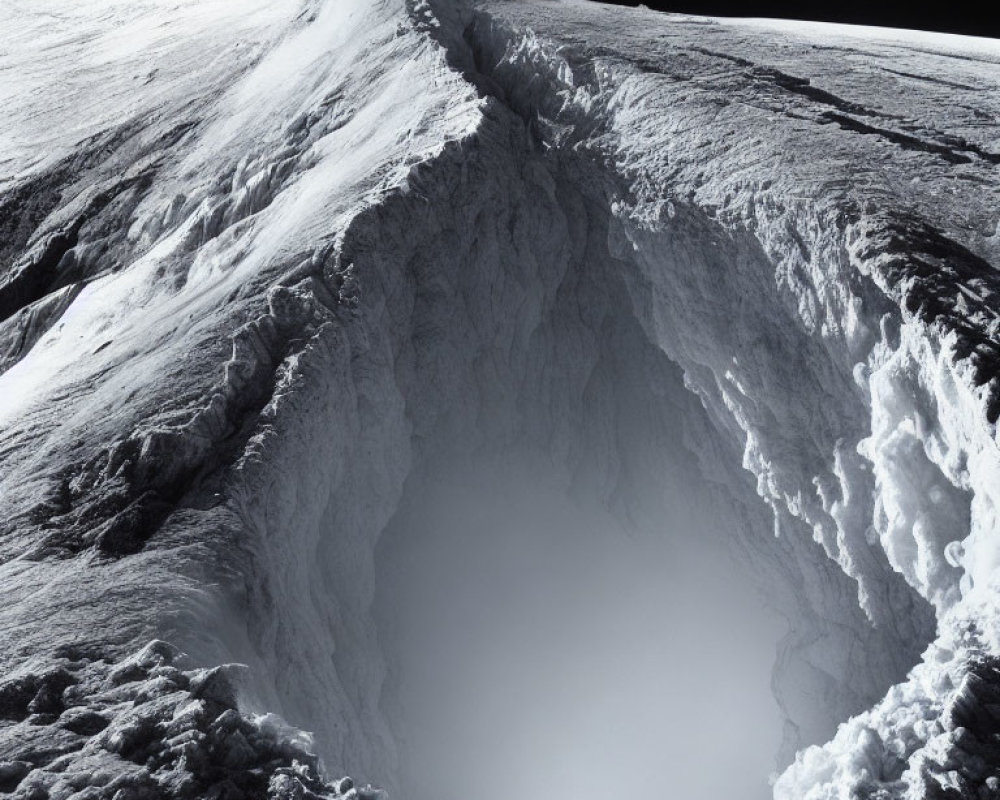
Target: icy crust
(86,726)
(120,64)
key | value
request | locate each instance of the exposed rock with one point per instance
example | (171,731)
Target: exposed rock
(133,732)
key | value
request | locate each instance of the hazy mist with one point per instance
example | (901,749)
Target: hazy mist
(543,652)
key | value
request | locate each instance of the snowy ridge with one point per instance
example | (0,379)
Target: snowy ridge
(236,339)
(208,297)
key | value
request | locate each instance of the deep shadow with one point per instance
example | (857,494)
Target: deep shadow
(972,19)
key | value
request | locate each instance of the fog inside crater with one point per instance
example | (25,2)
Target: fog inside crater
(540,648)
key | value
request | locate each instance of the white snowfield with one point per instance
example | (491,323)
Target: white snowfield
(268,270)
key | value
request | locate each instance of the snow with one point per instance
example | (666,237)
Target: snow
(144,725)
(274,275)
(111,64)
(825,32)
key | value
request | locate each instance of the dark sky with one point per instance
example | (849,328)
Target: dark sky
(953,17)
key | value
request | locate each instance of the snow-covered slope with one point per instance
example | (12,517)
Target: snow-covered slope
(273,272)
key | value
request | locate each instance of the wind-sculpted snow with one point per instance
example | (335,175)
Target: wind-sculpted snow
(269,273)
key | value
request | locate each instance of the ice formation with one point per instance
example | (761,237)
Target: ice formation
(275,273)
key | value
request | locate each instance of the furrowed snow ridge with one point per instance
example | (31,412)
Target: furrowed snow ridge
(266,350)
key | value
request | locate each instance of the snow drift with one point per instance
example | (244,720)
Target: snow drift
(284,287)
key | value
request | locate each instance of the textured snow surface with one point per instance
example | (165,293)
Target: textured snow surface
(143,727)
(273,273)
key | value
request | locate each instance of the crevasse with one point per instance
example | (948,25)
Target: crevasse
(248,337)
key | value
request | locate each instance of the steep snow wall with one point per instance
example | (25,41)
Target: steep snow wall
(251,326)
(847,304)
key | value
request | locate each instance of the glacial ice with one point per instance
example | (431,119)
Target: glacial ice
(280,282)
